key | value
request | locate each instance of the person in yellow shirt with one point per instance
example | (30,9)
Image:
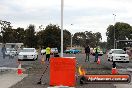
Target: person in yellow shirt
(48,53)
(96,50)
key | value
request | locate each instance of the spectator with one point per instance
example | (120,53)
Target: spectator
(3,50)
(124,49)
(87,51)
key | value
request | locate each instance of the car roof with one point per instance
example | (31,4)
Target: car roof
(116,49)
(53,48)
(28,48)
(10,48)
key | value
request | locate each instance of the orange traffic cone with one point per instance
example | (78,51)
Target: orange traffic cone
(98,62)
(114,71)
(19,70)
(42,60)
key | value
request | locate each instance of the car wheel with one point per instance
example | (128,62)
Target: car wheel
(108,59)
(34,58)
(127,61)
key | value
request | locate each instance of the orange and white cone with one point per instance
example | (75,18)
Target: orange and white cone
(114,71)
(42,60)
(98,62)
(19,70)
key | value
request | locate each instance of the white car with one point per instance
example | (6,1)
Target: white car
(117,55)
(28,53)
(54,51)
(11,51)
(43,51)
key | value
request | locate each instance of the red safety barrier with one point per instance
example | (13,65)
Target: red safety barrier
(62,71)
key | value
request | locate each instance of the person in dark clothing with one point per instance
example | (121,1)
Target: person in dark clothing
(3,50)
(124,49)
(114,64)
(96,54)
(87,51)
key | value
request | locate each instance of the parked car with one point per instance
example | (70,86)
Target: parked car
(28,53)
(54,51)
(117,55)
(11,51)
(43,51)
(74,51)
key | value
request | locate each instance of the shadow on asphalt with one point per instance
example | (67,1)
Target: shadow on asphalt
(26,60)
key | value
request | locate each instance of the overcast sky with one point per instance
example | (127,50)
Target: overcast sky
(85,15)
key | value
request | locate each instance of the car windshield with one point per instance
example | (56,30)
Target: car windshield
(53,48)
(118,52)
(10,49)
(28,50)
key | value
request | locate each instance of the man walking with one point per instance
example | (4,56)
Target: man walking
(48,53)
(3,50)
(87,51)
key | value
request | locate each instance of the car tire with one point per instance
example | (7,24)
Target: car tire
(108,59)
(19,59)
(34,59)
(127,61)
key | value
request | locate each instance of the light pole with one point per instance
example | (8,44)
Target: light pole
(71,40)
(114,64)
(62,2)
(114,30)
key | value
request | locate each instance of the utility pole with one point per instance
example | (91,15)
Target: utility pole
(114,30)
(62,2)
(71,38)
(114,63)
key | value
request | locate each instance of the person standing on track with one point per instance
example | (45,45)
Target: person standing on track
(3,50)
(96,50)
(48,50)
(87,51)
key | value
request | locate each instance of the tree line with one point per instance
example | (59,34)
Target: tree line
(51,36)
(48,36)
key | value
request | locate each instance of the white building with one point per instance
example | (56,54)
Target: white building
(12,45)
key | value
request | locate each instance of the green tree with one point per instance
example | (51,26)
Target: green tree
(79,39)
(30,38)
(19,35)
(6,30)
(122,32)
(51,36)
(40,38)
(67,38)
(98,38)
